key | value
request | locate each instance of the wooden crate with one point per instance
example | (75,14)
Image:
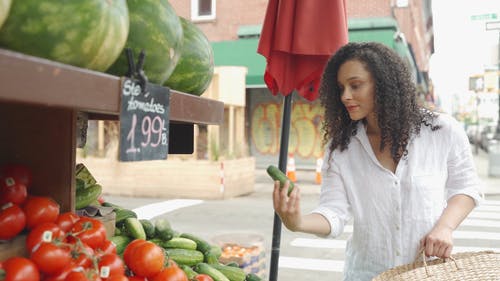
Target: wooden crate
(174,178)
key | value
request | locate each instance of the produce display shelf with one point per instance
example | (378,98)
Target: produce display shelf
(32,80)
(40,101)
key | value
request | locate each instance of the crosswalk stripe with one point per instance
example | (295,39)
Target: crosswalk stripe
(491,202)
(311,264)
(481,223)
(488,208)
(156,209)
(473,249)
(319,243)
(476,235)
(484,215)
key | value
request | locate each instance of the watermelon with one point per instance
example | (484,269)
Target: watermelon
(4,10)
(89,34)
(156,28)
(195,68)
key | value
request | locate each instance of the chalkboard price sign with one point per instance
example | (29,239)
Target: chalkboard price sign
(144,122)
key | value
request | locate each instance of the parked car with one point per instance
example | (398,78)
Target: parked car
(487,134)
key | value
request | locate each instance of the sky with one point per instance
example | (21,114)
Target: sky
(463,47)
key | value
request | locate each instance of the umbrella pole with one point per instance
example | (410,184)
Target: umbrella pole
(283,157)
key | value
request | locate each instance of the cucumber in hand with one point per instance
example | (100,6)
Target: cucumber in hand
(277,175)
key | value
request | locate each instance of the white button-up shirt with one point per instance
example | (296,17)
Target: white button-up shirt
(391,212)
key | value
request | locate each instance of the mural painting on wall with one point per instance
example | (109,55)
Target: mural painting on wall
(305,129)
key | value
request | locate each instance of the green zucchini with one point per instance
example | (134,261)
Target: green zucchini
(233,264)
(207,269)
(179,243)
(122,214)
(163,230)
(253,277)
(149,228)
(212,256)
(232,273)
(134,228)
(120,242)
(81,172)
(80,184)
(277,175)
(201,245)
(86,196)
(184,256)
(189,271)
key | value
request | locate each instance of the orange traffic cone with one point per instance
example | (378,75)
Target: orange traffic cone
(319,163)
(290,168)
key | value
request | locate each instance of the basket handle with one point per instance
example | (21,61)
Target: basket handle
(424,259)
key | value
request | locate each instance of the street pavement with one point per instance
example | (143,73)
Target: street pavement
(303,256)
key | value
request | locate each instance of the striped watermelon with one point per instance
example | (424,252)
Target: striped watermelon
(195,68)
(4,10)
(89,33)
(154,27)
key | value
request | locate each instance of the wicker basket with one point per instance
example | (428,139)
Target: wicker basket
(470,266)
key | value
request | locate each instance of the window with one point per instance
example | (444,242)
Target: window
(202,10)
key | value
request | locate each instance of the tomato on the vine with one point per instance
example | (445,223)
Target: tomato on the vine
(171,273)
(50,258)
(12,221)
(41,232)
(39,209)
(107,247)
(12,191)
(203,277)
(20,269)
(118,278)
(127,253)
(67,220)
(137,278)
(113,264)
(146,259)
(18,172)
(82,255)
(90,231)
(86,275)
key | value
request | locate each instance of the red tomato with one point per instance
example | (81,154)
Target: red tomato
(20,269)
(87,275)
(203,277)
(50,258)
(107,247)
(19,172)
(118,278)
(171,273)
(39,233)
(60,275)
(127,253)
(39,210)
(82,255)
(137,278)
(111,264)
(12,191)
(12,221)
(90,231)
(67,220)
(147,259)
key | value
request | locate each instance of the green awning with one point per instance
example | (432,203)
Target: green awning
(243,52)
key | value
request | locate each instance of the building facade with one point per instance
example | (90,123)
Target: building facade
(233,27)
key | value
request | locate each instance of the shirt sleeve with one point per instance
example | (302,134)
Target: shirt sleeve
(462,174)
(333,203)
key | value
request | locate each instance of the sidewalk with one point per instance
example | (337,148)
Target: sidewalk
(305,178)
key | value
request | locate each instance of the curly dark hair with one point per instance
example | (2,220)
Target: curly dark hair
(398,114)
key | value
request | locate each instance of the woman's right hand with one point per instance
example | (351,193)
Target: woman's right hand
(287,207)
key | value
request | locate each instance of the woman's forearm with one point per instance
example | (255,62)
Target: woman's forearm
(457,209)
(314,224)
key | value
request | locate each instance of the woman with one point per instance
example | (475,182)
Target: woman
(403,174)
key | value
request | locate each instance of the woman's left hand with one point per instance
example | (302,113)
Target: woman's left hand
(438,242)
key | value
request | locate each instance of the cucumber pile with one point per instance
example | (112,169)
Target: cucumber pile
(192,253)
(87,188)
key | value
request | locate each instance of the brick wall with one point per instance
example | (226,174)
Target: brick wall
(231,14)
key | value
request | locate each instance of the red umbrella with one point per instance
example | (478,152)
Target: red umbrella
(297,39)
